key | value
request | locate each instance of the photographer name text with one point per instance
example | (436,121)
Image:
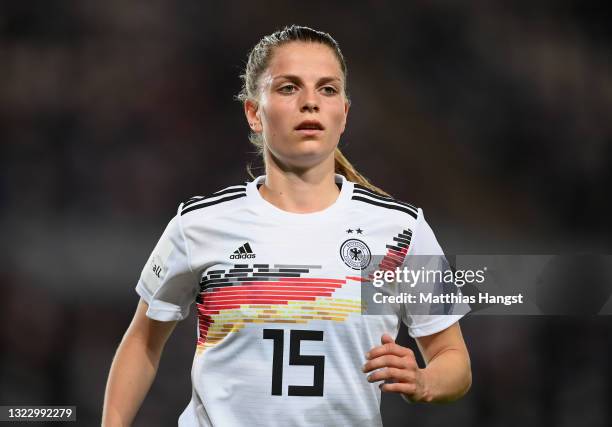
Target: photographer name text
(429,298)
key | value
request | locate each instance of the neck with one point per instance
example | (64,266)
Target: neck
(300,191)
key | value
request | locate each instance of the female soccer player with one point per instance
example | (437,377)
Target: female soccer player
(274,268)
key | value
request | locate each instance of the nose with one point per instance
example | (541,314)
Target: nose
(309,102)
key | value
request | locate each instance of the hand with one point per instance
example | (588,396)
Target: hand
(399,366)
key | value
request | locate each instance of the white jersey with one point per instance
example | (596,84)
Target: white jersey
(281,337)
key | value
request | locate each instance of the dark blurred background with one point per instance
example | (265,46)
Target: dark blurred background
(494,117)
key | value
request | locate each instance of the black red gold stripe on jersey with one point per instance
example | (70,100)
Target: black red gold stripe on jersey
(225,195)
(396,252)
(273,294)
(362,194)
(243,273)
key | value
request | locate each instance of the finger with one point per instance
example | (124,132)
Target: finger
(389,361)
(394,374)
(389,348)
(405,388)
(386,339)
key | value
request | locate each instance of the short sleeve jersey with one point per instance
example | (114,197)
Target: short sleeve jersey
(281,336)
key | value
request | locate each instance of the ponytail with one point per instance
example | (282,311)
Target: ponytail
(344,167)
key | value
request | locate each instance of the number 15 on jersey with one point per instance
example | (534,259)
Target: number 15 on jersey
(295,358)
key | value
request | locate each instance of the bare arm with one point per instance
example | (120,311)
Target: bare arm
(447,377)
(134,367)
(448,374)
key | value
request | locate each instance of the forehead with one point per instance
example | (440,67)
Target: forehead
(304,59)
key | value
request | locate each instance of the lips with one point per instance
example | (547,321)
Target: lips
(309,125)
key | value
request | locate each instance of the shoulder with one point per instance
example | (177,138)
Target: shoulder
(381,203)
(221,198)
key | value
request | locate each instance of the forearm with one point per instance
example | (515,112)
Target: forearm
(131,375)
(447,377)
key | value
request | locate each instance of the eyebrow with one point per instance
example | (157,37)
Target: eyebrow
(293,77)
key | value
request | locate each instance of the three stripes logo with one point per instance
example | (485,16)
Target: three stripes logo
(243,252)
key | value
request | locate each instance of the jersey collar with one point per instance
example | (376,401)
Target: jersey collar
(268,208)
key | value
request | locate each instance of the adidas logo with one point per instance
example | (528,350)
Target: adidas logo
(243,252)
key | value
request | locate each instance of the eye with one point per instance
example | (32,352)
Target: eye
(287,89)
(329,90)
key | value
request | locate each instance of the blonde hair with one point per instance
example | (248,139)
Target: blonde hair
(258,61)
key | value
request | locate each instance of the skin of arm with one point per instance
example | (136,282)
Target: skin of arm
(446,377)
(134,367)
(448,374)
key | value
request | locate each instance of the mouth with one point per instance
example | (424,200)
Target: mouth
(309,127)
(309,132)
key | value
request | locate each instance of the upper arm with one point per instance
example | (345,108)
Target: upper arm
(167,282)
(428,317)
(152,333)
(449,338)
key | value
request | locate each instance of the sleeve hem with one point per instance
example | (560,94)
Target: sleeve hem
(142,291)
(156,313)
(437,325)
(164,315)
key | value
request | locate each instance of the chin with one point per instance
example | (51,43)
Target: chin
(303,153)
(304,158)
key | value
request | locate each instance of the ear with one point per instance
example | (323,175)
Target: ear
(347,105)
(251,111)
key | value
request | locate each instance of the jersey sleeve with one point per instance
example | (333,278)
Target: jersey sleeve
(167,283)
(425,254)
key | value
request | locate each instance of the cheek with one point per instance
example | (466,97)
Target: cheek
(338,119)
(276,115)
